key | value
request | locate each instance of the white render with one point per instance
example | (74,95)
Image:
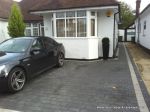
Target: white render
(86,47)
(121,33)
(3,30)
(129,36)
(144,34)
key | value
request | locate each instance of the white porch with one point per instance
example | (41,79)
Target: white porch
(83,41)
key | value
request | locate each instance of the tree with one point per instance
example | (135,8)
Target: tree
(127,15)
(16,26)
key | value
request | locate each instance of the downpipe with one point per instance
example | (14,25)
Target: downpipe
(114,54)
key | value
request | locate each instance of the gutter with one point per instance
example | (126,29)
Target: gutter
(72,9)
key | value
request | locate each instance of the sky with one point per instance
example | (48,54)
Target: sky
(132,3)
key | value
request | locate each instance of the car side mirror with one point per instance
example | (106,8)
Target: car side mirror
(35,51)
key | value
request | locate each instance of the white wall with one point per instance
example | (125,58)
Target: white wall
(80,48)
(121,33)
(105,29)
(87,47)
(144,35)
(129,36)
(3,31)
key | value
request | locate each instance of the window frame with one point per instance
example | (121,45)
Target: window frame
(76,17)
(93,17)
(144,27)
(31,27)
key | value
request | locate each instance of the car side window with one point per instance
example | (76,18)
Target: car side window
(37,45)
(49,43)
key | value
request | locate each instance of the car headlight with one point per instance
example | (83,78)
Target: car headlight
(3,71)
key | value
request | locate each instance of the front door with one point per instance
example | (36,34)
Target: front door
(38,57)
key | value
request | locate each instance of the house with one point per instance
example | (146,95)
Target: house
(4,14)
(142,24)
(130,33)
(121,35)
(34,24)
(80,25)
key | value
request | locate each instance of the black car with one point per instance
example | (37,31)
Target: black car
(24,57)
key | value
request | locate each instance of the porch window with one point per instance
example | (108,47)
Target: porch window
(60,24)
(81,27)
(93,22)
(42,33)
(71,24)
(71,27)
(92,27)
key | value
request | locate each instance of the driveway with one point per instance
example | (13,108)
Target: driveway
(80,86)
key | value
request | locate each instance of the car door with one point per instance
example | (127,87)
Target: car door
(38,56)
(51,48)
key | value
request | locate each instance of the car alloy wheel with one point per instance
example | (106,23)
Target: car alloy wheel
(60,59)
(17,80)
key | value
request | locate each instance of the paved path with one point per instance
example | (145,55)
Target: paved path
(96,86)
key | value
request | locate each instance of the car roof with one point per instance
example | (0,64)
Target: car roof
(26,38)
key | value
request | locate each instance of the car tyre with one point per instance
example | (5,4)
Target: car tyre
(16,80)
(60,60)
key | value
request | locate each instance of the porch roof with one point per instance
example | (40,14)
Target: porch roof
(44,5)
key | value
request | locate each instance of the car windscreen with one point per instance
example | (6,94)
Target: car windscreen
(15,45)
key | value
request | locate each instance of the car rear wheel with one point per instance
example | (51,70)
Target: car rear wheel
(60,60)
(16,80)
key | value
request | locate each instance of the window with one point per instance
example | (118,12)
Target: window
(60,24)
(32,29)
(52,27)
(35,31)
(70,14)
(60,15)
(49,43)
(28,32)
(144,28)
(28,29)
(15,45)
(92,27)
(28,25)
(139,27)
(81,14)
(144,25)
(36,45)
(92,13)
(71,24)
(81,27)
(41,29)
(71,27)
(93,22)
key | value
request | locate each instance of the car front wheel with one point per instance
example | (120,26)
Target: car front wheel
(60,60)
(16,80)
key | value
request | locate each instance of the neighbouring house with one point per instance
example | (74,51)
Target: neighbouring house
(130,33)
(34,23)
(4,14)
(80,25)
(121,35)
(142,24)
